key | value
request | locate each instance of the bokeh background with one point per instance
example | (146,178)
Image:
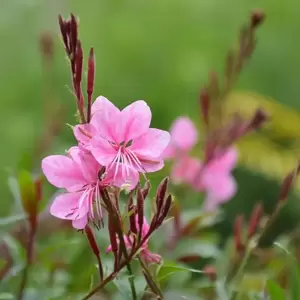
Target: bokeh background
(162,52)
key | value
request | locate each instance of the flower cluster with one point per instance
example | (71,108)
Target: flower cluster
(113,149)
(214,177)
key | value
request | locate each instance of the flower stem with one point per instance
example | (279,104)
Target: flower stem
(153,285)
(29,254)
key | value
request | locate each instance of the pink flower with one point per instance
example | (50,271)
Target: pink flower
(146,254)
(183,138)
(216,179)
(123,139)
(82,177)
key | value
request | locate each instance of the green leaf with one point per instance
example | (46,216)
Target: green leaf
(294,279)
(168,270)
(275,291)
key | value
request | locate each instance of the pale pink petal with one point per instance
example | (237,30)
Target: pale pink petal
(151,165)
(62,172)
(183,134)
(102,151)
(219,189)
(106,120)
(150,257)
(185,170)
(86,162)
(84,132)
(102,103)
(145,227)
(151,144)
(135,121)
(170,152)
(80,223)
(65,206)
(224,163)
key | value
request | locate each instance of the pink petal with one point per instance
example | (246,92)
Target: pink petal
(102,103)
(151,144)
(185,170)
(136,119)
(84,132)
(183,134)
(80,223)
(62,172)
(170,152)
(65,206)
(225,162)
(102,151)
(219,190)
(151,165)
(106,119)
(150,257)
(86,162)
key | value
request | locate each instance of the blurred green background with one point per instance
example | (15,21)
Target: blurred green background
(159,51)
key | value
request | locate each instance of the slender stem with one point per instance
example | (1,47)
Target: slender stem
(29,254)
(124,250)
(154,286)
(112,275)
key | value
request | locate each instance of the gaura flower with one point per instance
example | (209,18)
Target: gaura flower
(122,140)
(184,137)
(216,180)
(213,178)
(82,177)
(145,253)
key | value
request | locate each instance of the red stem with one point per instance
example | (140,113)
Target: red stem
(29,255)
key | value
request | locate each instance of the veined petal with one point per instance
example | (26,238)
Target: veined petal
(183,134)
(151,165)
(151,144)
(62,172)
(80,223)
(135,121)
(102,103)
(102,151)
(86,162)
(65,206)
(150,257)
(106,119)
(84,132)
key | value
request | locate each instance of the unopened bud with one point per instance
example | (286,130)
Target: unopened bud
(257,17)
(238,233)
(205,104)
(255,219)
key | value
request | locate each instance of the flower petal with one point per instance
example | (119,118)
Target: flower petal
(150,257)
(102,103)
(86,162)
(151,165)
(185,170)
(151,144)
(224,163)
(84,132)
(102,151)
(62,172)
(80,223)
(183,134)
(219,190)
(106,119)
(65,206)
(135,121)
